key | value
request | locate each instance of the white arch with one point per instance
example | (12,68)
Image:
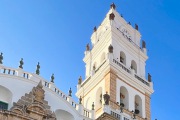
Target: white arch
(63,115)
(138,104)
(134,66)
(98,103)
(124,97)
(122,57)
(5,95)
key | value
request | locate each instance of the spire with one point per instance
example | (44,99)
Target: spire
(113,6)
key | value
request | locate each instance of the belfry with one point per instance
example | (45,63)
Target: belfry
(115,69)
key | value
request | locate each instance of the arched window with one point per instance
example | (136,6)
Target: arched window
(124,97)
(5,97)
(134,66)
(138,105)
(123,58)
(98,103)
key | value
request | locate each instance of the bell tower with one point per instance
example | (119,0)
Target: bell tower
(115,78)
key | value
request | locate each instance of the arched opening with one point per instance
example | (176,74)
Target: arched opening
(63,115)
(5,97)
(138,105)
(123,58)
(124,97)
(98,103)
(134,66)
(102,57)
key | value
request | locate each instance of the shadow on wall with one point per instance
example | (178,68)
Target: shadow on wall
(63,115)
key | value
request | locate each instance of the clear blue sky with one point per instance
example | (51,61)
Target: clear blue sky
(55,32)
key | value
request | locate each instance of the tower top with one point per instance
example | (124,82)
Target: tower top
(113,6)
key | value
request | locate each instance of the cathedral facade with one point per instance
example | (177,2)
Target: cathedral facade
(115,85)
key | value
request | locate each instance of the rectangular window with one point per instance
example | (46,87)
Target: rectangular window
(3,106)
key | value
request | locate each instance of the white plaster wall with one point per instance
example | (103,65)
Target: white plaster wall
(132,93)
(19,86)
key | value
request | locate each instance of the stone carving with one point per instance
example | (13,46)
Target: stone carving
(32,106)
(70,92)
(106,98)
(136,27)
(21,63)
(1,58)
(38,69)
(52,78)
(149,78)
(80,80)
(111,16)
(95,29)
(38,93)
(143,44)
(113,6)
(110,49)
(93,106)
(87,47)
(80,100)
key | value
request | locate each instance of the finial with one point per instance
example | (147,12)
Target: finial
(93,106)
(143,44)
(87,47)
(95,29)
(111,16)
(38,69)
(21,63)
(136,27)
(52,78)
(1,58)
(40,84)
(110,49)
(129,23)
(70,92)
(113,6)
(80,80)
(106,98)
(149,78)
(80,100)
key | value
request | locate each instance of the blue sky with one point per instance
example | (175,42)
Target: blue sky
(55,32)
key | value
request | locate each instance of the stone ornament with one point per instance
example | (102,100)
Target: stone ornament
(111,16)
(106,98)
(21,63)
(38,69)
(52,78)
(1,58)
(110,49)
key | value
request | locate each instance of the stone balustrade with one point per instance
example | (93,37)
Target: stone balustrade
(34,77)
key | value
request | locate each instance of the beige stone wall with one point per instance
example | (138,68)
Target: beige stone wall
(110,86)
(147,105)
